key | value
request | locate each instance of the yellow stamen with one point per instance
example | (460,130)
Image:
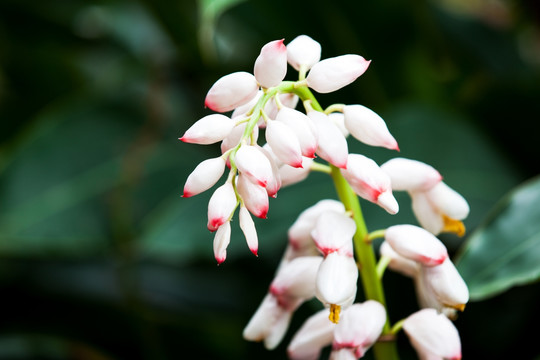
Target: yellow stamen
(453,226)
(334,313)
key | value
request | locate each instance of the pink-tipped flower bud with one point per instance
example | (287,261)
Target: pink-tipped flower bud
(333,232)
(314,334)
(411,175)
(303,128)
(332,145)
(368,127)
(252,162)
(334,73)
(275,182)
(271,64)
(360,327)
(303,52)
(370,182)
(433,335)
(231,91)
(222,238)
(248,228)
(339,120)
(208,130)
(254,196)
(417,244)
(205,175)
(284,143)
(221,206)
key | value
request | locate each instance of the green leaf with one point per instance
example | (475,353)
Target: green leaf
(504,252)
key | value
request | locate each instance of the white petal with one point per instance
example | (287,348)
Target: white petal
(254,164)
(425,213)
(269,320)
(284,143)
(399,263)
(417,244)
(411,175)
(302,127)
(333,232)
(290,175)
(336,279)
(204,176)
(448,201)
(254,196)
(296,280)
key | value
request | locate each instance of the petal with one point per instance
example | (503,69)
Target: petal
(448,201)
(255,197)
(399,263)
(411,175)
(302,126)
(296,280)
(208,130)
(303,51)
(368,127)
(417,244)
(334,73)
(231,91)
(271,64)
(336,280)
(425,213)
(290,175)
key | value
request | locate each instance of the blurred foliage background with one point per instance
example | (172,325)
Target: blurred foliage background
(100,257)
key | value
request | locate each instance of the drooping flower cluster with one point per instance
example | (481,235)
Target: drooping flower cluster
(319,261)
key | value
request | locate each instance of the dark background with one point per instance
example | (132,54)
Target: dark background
(100,257)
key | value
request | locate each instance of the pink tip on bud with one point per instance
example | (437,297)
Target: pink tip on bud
(271,64)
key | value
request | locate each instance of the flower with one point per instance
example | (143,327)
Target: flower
(284,143)
(314,334)
(437,207)
(433,335)
(271,64)
(253,163)
(302,126)
(331,74)
(221,206)
(294,283)
(254,197)
(368,127)
(248,228)
(231,91)
(222,239)
(359,329)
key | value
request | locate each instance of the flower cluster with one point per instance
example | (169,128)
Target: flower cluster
(321,260)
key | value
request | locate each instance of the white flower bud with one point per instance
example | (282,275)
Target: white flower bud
(334,73)
(296,280)
(333,232)
(221,206)
(248,228)
(204,176)
(208,130)
(332,145)
(303,128)
(222,239)
(271,64)
(370,182)
(254,196)
(417,244)
(290,175)
(284,143)
(251,162)
(303,51)
(336,280)
(433,335)
(368,127)
(231,91)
